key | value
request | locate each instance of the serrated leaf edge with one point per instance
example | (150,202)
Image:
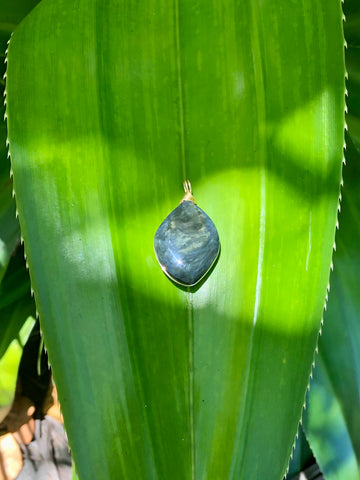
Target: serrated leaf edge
(33,292)
(316,351)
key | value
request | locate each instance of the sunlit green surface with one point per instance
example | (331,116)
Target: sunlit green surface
(110,106)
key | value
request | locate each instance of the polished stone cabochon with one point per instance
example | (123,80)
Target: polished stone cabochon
(186,244)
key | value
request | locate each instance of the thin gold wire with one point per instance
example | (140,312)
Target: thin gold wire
(188,197)
(187,186)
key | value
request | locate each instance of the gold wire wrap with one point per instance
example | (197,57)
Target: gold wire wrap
(188,194)
(187,186)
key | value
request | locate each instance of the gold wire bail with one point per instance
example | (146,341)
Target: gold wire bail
(188,194)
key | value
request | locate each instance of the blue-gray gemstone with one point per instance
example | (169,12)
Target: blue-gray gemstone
(186,244)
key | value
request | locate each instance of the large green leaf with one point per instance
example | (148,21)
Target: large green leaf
(110,106)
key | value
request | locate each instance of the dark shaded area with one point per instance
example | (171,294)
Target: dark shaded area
(303,460)
(12,12)
(35,384)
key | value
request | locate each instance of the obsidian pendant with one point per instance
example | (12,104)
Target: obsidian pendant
(187,243)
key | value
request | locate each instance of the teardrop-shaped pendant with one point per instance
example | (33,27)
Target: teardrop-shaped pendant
(187,243)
